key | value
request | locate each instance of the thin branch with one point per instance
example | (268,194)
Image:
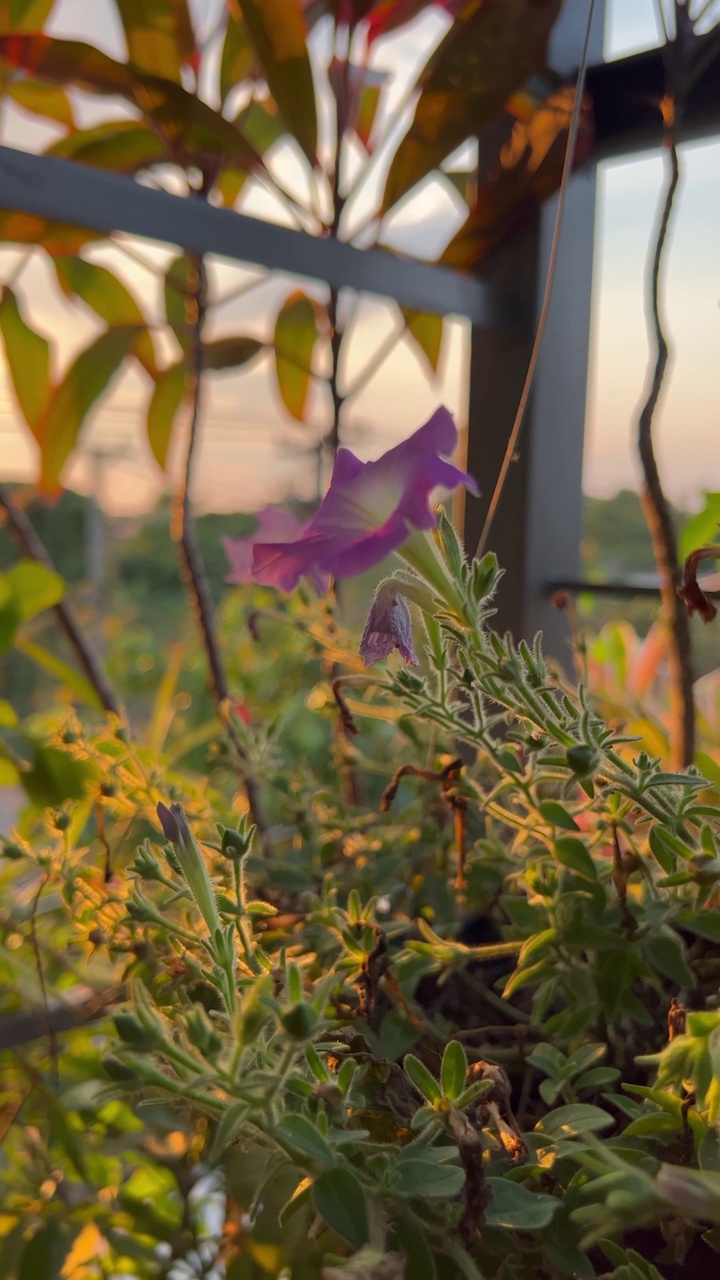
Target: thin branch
(193,569)
(655,504)
(30,545)
(547,294)
(49,1027)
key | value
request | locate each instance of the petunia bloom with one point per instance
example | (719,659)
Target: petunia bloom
(388,627)
(274,525)
(370,510)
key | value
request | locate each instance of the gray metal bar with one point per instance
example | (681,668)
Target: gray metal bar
(85,197)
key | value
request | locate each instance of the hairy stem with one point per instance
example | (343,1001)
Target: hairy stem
(193,569)
(31,545)
(656,507)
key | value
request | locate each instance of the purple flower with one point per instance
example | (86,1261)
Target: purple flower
(370,510)
(274,525)
(388,627)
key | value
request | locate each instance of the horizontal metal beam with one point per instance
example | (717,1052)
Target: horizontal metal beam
(81,196)
(640,584)
(626,95)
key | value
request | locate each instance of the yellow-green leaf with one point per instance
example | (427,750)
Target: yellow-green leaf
(42,99)
(179,284)
(109,298)
(85,381)
(159,36)
(296,332)
(54,237)
(122,146)
(24,15)
(238,54)
(278,32)
(228,353)
(28,357)
(165,401)
(427,333)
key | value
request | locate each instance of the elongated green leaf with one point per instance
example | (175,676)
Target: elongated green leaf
(122,146)
(67,62)
(578,1118)
(421,1178)
(165,401)
(238,54)
(302,1134)
(56,667)
(28,357)
(424,1082)
(261,125)
(340,1200)
(475,68)
(278,32)
(426,332)
(229,353)
(296,332)
(83,384)
(109,298)
(179,284)
(453,1070)
(513,1207)
(34,587)
(159,36)
(700,528)
(229,184)
(24,15)
(572,853)
(42,99)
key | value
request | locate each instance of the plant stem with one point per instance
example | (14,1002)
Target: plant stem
(31,545)
(656,507)
(193,569)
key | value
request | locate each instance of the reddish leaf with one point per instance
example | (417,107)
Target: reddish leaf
(159,36)
(85,381)
(67,62)
(122,146)
(179,285)
(278,32)
(528,172)
(170,391)
(28,358)
(54,237)
(296,332)
(479,63)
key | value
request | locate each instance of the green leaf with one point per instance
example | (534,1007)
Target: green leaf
(42,99)
(24,15)
(47,1250)
(426,330)
(424,1082)
(56,667)
(261,125)
(122,146)
(278,32)
(423,1178)
(34,587)
(178,288)
(296,332)
(666,953)
(67,62)
(302,1134)
(85,381)
(159,36)
(56,776)
(109,298)
(8,714)
(340,1200)
(512,1207)
(237,53)
(574,1120)
(700,528)
(557,815)
(573,854)
(475,68)
(229,353)
(706,924)
(28,357)
(453,1071)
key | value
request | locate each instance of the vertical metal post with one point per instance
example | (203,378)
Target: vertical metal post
(538,526)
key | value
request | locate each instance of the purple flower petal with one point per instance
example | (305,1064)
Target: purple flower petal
(274,525)
(369,510)
(388,627)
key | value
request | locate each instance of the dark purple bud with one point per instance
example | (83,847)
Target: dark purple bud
(168,822)
(388,627)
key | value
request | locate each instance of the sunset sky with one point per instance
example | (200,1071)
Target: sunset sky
(253,453)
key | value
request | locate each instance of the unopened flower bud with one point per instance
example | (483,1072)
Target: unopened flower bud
(582,759)
(300,1021)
